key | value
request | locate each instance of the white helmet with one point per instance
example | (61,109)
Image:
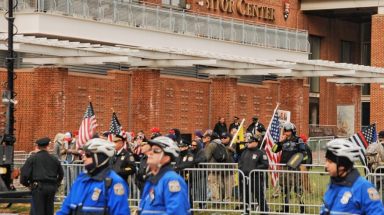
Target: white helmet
(167,144)
(344,148)
(289,126)
(98,145)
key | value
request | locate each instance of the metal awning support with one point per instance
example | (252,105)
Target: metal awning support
(81,60)
(246,72)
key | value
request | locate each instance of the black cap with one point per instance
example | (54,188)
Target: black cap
(255,118)
(43,141)
(224,135)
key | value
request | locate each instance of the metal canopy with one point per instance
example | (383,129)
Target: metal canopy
(64,52)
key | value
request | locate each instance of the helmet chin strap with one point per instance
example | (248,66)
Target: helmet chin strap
(159,165)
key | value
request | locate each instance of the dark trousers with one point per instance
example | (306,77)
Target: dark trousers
(43,197)
(256,185)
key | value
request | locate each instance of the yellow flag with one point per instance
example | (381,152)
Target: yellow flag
(240,136)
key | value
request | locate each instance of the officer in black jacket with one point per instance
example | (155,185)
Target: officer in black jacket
(123,162)
(43,173)
(254,158)
(143,171)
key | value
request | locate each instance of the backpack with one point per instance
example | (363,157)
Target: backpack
(220,153)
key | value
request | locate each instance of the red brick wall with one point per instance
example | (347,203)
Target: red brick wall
(377,59)
(295,98)
(184,104)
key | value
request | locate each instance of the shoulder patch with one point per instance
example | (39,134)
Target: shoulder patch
(265,157)
(131,158)
(373,194)
(345,199)
(96,194)
(174,186)
(190,158)
(118,189)
(254,156)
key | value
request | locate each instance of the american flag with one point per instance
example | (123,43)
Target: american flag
(363,139)
(272,137)
(87,127)
(115,127)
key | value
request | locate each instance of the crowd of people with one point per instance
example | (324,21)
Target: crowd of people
(110,158)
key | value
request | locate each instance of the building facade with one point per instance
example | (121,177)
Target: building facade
(184,63)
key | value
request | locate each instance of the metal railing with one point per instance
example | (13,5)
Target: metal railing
(317,145)
(172,21)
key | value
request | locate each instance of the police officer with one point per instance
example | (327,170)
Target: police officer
(254,158)
(290,145)
(99,190)
(43,173)
(123,161)
(185,159)
(165,192)
(142,171)
(256,126)
(348,192)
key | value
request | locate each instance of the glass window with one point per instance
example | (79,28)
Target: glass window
(346,52)
(365,113)
(366,90)
(313,111)
(314,82)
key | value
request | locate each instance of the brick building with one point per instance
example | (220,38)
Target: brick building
(183,64)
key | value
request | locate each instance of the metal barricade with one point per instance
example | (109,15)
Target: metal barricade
(377,179)
(216,189)
(317,145)
(295,191)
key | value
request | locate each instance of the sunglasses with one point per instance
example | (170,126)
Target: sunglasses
(157,151)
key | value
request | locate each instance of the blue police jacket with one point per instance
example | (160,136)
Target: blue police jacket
(88,195)
(353,195)
(165,193)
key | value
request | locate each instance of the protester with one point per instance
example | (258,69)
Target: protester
(348,192)
(220,126)
(235,124)
(165,192)
(99,190)
(43,174)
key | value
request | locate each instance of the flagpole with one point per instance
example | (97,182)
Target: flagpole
(237,133)
(269,126)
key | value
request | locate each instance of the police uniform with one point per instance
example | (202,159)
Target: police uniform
(142,173)
(165,193)
(43,173)
(124,164)
(353,195)
(185,160)
(255,158)
(290,147)
(95,194)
